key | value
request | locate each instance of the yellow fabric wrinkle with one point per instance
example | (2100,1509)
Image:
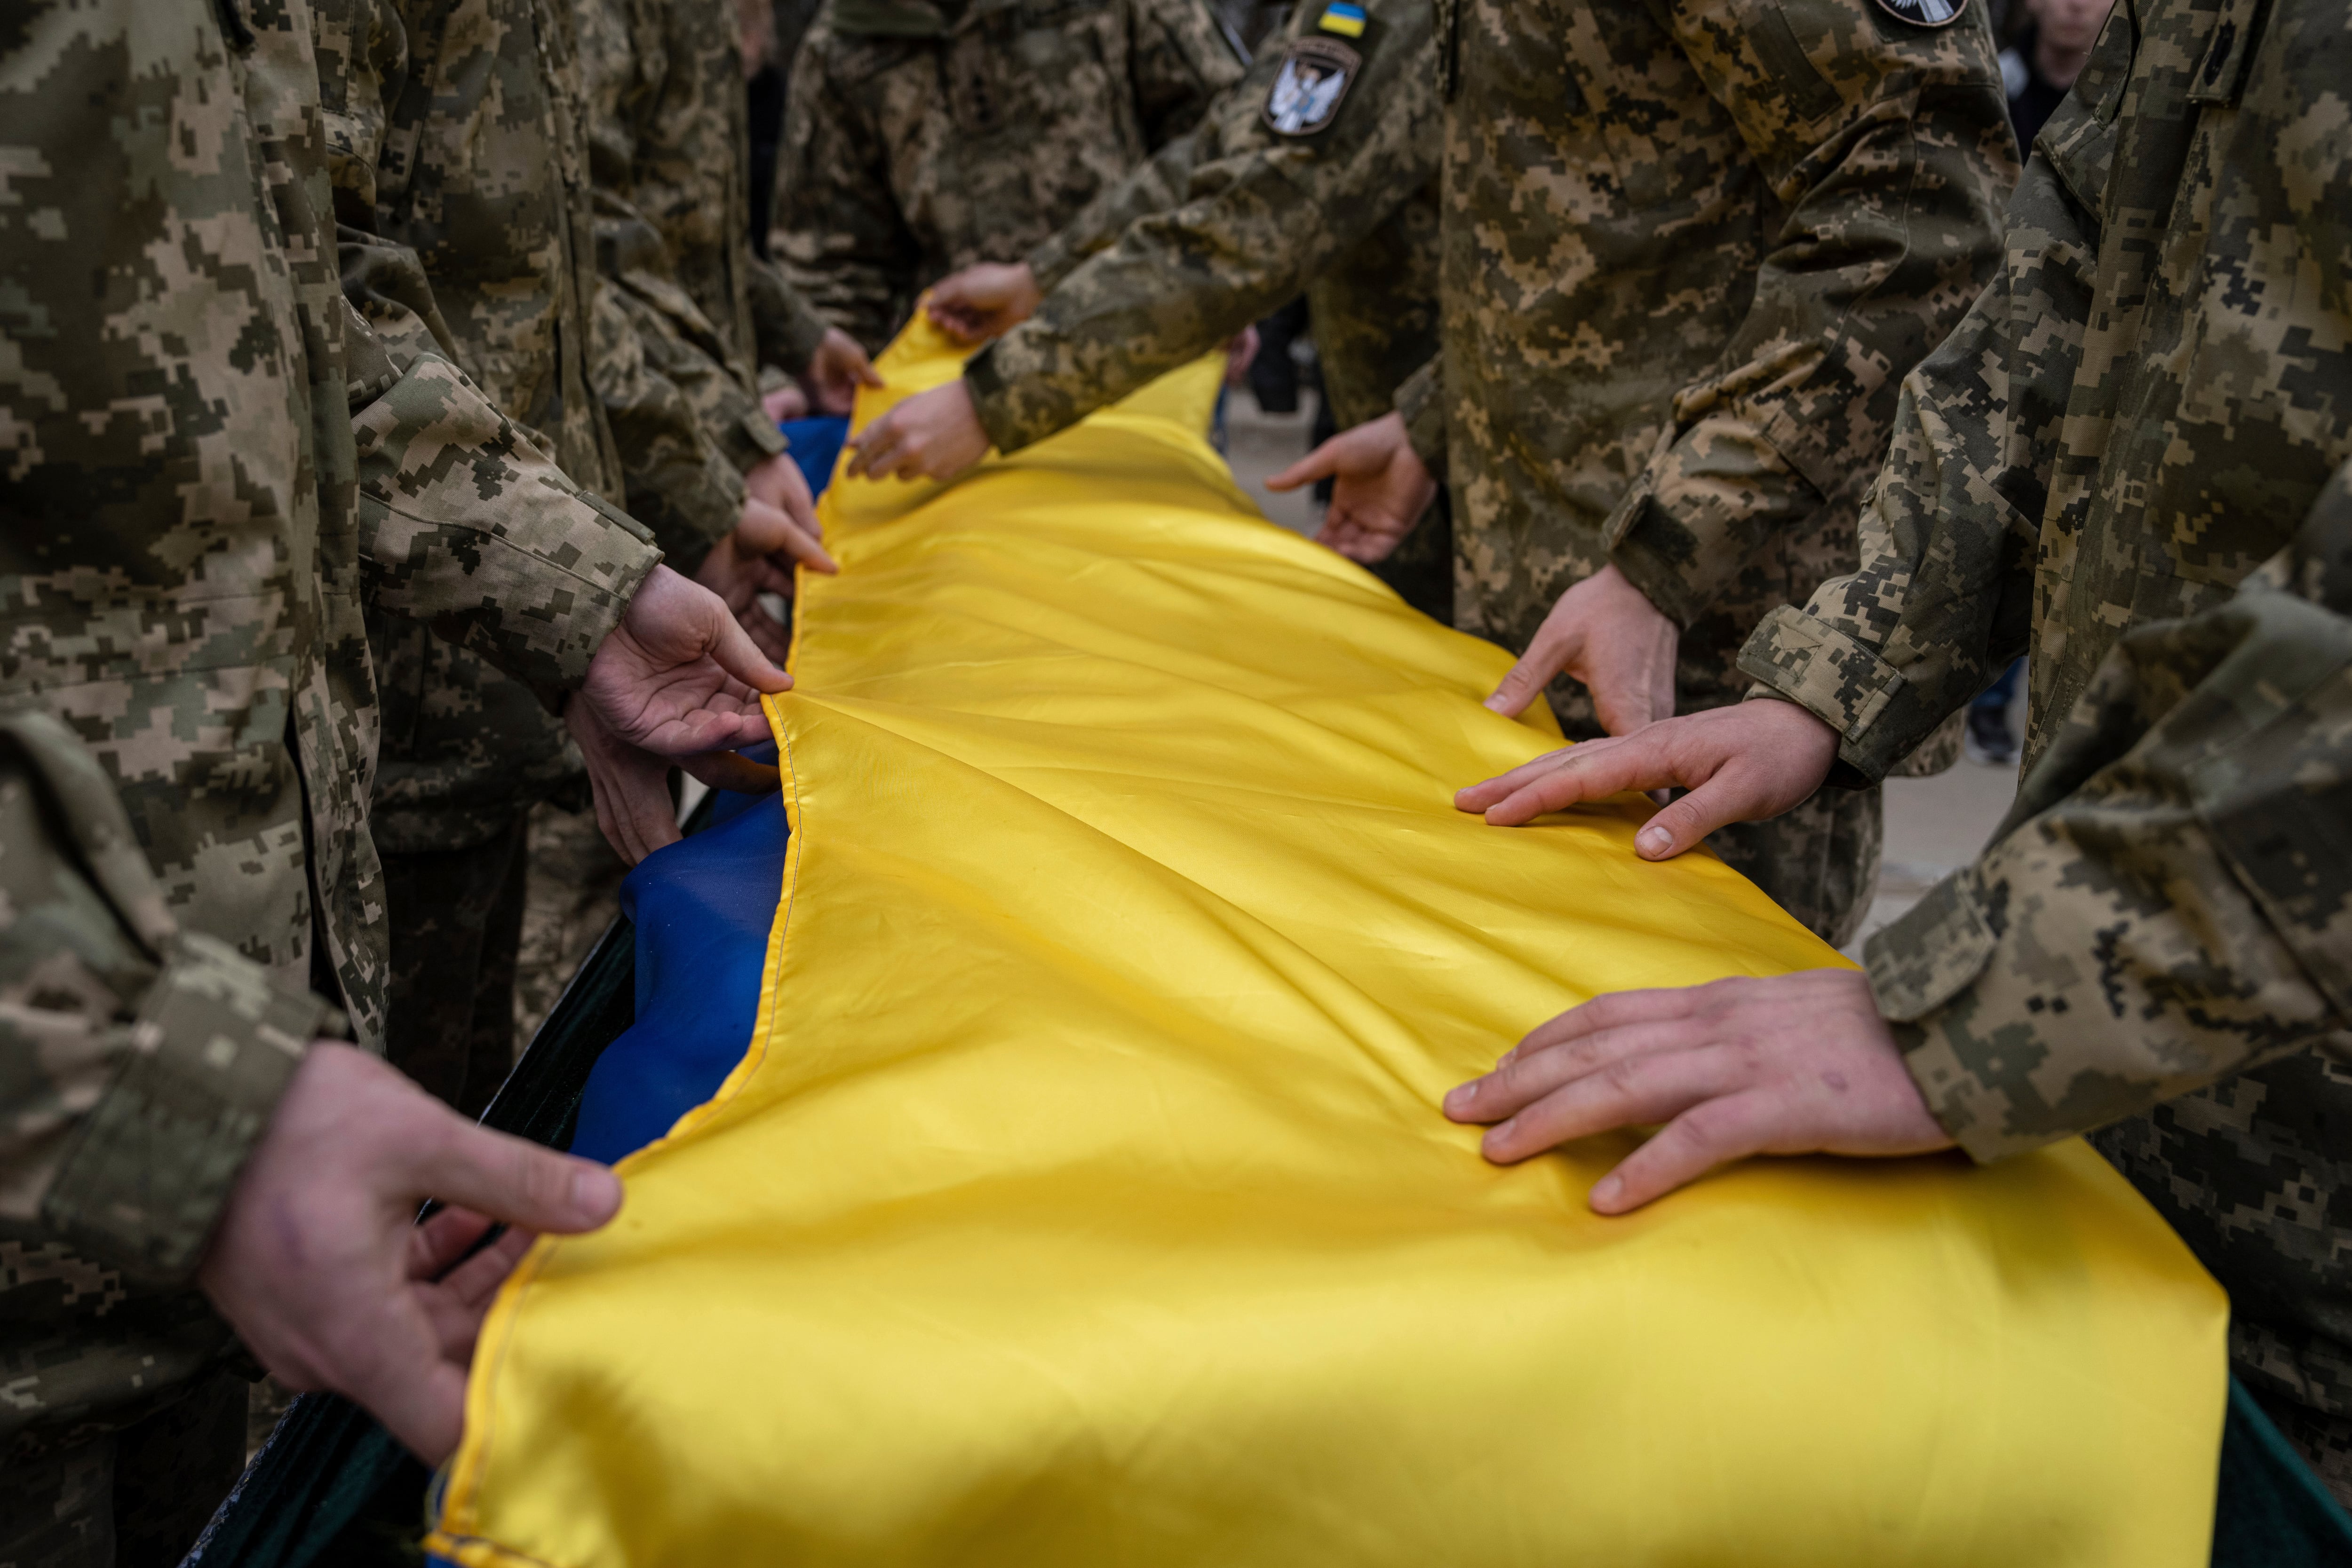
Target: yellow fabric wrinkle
(1082,1197)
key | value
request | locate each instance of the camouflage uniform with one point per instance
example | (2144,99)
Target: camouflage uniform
(210,461)
(1689,253)
(669,145)
(924,135)
(2149,400)
(455,143)
(1221,226)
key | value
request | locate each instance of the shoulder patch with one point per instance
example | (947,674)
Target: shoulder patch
(1925,13)
(1306,90)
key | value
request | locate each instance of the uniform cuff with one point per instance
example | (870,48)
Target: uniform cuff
(1840,681)
(993,405)
(1050,262)
(750,440)
(212,1050)
(1917,966)
(1638,533)
(1421,400)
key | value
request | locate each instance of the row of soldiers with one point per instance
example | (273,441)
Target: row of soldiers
(1710,353)
(1620,303)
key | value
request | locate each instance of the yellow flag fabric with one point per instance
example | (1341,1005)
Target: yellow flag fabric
(1082,1197)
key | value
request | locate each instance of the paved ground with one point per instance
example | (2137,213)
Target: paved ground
(1933,825)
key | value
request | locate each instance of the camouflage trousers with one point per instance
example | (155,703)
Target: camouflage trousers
(457,922)
(136,1497)
(2255,1174)
(574,893)
(1819,861)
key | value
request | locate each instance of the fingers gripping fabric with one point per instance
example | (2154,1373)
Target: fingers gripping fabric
(1082,1197)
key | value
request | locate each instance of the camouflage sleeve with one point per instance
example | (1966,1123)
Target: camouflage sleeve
(838,236)
(141,1063)
(1421,401)
(678,342)
(363,53)
(1943,599)
(1255,226)
(1181,58)
(465,525)
(673,477)
(785,326)
(1889,146)
(1154,185)
(2170,899)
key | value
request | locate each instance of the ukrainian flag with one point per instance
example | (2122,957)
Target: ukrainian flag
(1344,19)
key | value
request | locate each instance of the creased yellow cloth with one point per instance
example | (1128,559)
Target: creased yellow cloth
(1083,1198)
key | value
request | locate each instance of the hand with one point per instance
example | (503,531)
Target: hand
(1240,350)
(318,1267)
(778,528)
(1605,633)
(1381,492)
(677,680)
(835,371)
(787,401)
(1741,764)
(934,435)
(1796,1064)
(987,300)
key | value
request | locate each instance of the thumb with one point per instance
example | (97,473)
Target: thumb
(1320,464)
(517,1183)
(1546,657)
(1684,821)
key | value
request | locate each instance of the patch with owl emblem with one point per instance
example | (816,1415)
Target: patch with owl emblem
(1306,90)
(1925,13)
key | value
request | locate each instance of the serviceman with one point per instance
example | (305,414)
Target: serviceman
(464,223)
(211,463)
(2154,396)
(1688,257)
(1264,198)
(922,136)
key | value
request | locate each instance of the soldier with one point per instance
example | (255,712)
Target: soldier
(213,464)
(922,136)
(1211,232)
(1688,257)
(2154,395)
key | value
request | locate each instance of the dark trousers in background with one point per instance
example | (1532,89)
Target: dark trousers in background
(137,1498)
(457,922)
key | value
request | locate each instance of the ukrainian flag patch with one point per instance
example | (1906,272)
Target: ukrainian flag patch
(1343,19)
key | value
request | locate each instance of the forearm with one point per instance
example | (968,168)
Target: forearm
(674,479)
(2166,905)
(144,1063)
(1154,185)
(465,525)
(1893,193)
(787,326)
(1420,401)
(1942,599)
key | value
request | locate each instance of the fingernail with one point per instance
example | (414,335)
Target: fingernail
(1654,840)
(1457,1100)
(1605,1191)
(1494,1137)
(1492,704)
(595,1191)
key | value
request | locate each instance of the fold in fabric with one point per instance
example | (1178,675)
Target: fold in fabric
(1083,1197)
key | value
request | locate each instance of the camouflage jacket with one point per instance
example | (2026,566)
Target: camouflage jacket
(210,463)
(1690,251)
(2151,397)
(921,136)
(1224,225)
(670,148)
(457,146)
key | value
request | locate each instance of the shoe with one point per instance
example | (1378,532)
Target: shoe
(1987,739)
